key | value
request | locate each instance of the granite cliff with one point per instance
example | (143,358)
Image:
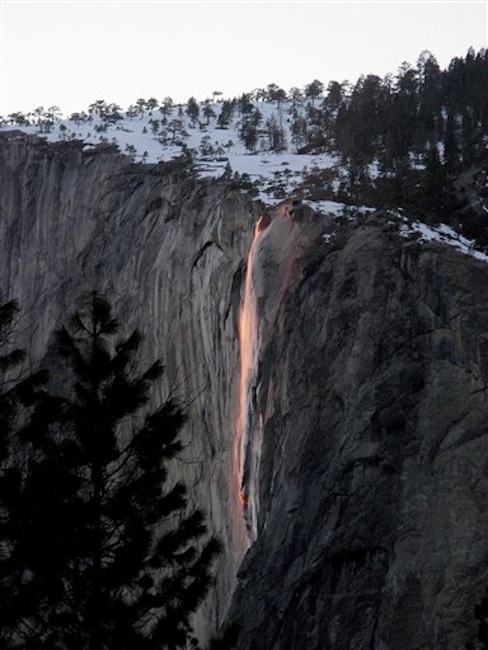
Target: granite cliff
(342,458)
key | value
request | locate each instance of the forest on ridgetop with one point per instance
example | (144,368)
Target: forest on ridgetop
(414,141)
(417,140)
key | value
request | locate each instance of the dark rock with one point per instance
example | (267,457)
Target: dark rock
(367,458)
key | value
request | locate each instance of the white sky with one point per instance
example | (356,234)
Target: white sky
(71,52)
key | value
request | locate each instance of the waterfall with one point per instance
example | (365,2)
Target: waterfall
(248,333)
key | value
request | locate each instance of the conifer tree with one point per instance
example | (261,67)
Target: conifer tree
(433,203)
(314,89)
(17,395)
(481,615)
(225,114)
(111,559)
(248,131)
(9,358)
(193,109)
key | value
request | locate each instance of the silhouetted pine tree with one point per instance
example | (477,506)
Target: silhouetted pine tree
(248,131)
(9,358)
(451,149)
(17,395)
(110,558)
(481,615)
(432,205)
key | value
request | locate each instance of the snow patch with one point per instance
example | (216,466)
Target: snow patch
(444,234)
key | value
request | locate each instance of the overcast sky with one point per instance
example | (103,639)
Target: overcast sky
(71,52)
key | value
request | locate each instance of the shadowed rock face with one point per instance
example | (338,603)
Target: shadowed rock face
(366,457)
(372,484)
(169,252)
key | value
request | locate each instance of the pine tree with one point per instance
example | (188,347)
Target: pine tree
(225,114)
(208,111)
(451,149)
(314,89)
(298,132)
(481,615)
(9,358)
(110,558)
(276,134)
(17,394)
(434,202)
(193,109)
(248,131)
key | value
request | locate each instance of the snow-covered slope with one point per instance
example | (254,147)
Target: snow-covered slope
(159,133)
(152,135)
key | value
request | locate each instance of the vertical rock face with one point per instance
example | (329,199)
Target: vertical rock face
(372,521)
(363,462)
(169,252)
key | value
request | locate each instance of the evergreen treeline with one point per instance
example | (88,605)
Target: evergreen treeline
(414,140)
(425,131)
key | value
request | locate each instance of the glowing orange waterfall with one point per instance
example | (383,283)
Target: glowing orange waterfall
(248,339)
(270,266)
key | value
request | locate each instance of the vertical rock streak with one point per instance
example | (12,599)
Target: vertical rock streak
(270,264)
(248,349)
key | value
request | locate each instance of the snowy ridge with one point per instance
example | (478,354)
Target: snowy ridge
(151,136)
(217,147)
